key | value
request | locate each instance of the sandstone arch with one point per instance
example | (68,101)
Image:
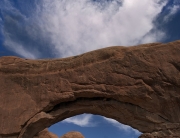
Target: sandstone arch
(138,86)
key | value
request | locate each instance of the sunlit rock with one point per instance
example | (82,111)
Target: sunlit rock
(72,134)
(45,134)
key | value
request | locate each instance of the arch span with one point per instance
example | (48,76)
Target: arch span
(138,86)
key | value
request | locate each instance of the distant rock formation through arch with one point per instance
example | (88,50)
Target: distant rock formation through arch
(138,86)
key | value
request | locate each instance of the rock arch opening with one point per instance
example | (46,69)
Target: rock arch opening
(107,107)
(95,126)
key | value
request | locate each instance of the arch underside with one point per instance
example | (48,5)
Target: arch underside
(137,86)
(125,113)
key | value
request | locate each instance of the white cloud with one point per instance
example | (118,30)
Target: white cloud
(83,120)
(67,28)
(123,127)
(79,26)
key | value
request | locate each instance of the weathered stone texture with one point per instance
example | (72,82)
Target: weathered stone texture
(72,134)
(138,86)
(45,134)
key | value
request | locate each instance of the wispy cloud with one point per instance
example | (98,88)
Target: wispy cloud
(84,120)
(17,48)
(123,127)
(172,10)
(21,32)
(62,28)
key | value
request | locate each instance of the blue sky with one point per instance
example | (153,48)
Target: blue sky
(60,28)
(94,126)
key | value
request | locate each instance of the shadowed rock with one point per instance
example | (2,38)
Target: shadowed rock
(137,86)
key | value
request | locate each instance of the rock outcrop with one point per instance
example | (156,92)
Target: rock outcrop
(45,134)
(72,134)
(138,86)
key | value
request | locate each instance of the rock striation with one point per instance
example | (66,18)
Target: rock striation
(137,86)
(73,134)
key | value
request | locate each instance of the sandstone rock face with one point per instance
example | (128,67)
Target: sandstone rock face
(45,134)
(138,86)
(72,134)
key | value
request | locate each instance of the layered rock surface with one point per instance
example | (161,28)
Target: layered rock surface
(138,86)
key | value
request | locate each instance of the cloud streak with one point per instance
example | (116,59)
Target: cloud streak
(83,120)
(123,127)
(62,28)
(172,10)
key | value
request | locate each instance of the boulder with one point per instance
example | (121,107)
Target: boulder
(72,134)
(45,134)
